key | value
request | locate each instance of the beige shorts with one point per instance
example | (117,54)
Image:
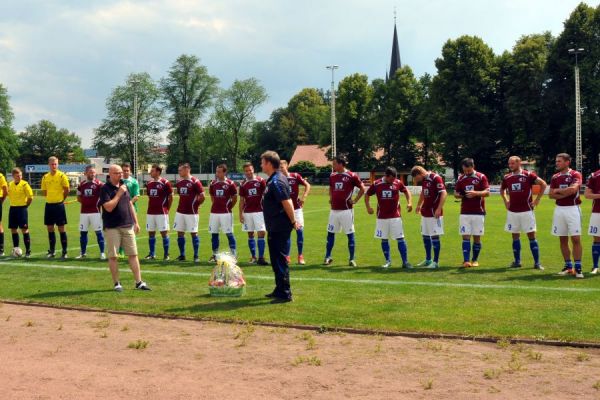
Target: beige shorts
(120,237)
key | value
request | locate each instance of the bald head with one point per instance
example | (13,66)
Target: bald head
(115,173)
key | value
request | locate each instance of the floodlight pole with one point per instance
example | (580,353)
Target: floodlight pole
(578,147)
(333,133)
(135,82)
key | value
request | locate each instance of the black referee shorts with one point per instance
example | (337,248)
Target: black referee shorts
(55,214)
(18,217)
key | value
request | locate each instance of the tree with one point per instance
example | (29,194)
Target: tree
(188,92)
(234,116)
(42,140)
(9,149)
(115,138)
(305,167)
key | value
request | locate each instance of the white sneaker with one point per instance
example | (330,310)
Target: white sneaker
(80,257)
(102,256)
(594,271)
(579,275)
(327,261)
(387,264)
(566,271)
(118,287)
(352,263)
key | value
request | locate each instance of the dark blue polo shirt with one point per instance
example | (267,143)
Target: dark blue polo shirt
(120,216)
(278,190)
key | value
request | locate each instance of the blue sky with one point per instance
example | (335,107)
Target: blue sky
(61,59)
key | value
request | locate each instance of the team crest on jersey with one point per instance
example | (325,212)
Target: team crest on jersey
(440,185)
(425,192)
(475,181)
(345,179)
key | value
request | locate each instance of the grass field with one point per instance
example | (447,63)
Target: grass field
(489,300)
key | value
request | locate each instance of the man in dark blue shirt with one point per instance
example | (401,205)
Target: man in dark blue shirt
(278,211)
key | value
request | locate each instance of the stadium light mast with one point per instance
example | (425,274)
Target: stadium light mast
(333,133)
(134,83)
(578,150)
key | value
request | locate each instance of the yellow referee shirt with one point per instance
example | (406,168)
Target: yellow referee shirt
(54,185)
(19,193)
(3,184)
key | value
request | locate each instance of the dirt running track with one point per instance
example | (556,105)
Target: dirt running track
(55,354)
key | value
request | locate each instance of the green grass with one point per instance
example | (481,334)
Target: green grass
(489,300)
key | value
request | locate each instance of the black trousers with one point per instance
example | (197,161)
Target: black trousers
(278,244)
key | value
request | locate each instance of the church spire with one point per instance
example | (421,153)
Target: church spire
(395,63)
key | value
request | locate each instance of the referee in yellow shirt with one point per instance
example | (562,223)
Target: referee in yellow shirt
(55,187)
(20,197)
(3,194)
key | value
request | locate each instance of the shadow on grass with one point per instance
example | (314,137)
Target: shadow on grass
(221,304)
(66,293)
(368,269)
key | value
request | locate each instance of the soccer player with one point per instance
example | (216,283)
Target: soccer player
(592,192)
(472,188)
(251,212)
(191,196)
(341,217)
(3,194)
(389,221)
(223,194)
(516,191)
(564,188)
(20,197)
(132,184)
(431,207)
(55,188)
(88,194)
(295,180)
(160,198)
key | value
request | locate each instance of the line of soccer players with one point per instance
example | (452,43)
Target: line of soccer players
(472,188)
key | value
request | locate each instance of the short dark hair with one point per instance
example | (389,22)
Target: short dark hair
(391,171)
(88,167)
(272,158)
(564,156)
(185,165)
(126,165)
(157,167)
(467,162)
(223,167)
(341,160)
(247,164)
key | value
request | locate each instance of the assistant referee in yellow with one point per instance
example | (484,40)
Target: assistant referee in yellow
(55,188)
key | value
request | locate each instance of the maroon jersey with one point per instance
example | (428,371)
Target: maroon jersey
(466,183)
(222,193)
(519,187)
(388,197)
(158,196)
(295,180)
(89,191)
(563,181)
(432,187)
(252,191)
(188,190)
(341,186)
(593,183)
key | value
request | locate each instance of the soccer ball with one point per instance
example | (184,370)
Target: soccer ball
(17,252)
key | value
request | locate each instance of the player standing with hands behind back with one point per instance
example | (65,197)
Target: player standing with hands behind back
(55,187)
(592,192)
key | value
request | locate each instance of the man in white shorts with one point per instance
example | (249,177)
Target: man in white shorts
(223,194)
(251,213)
(592,192)
(88,194)
(191,196)
(517,192)
(160,198)
(564,188)
(296,180)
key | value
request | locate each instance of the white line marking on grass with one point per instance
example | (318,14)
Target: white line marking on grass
(331,280)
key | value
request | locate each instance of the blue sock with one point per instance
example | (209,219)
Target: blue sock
(476,250)
(351,245)
(596,253)
(403,250)
(166,244)
(83,241)
(196,245)
(232,244)
(252,246)
(181,244)
(100,238)
(152,244)
(517,250)
(215,242)
(385,246)
(568,264)
(300,241)
(261,247)
(437,247)
(427,243)
(535,250)
(466,249)
(578,265)
(330,243)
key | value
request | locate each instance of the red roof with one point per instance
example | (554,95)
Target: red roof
(311,152)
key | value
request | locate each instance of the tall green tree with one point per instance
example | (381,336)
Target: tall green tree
(188,92)
(115,138)
(42,140)
(9,148)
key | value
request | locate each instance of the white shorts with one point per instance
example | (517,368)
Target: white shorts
(341,220)
(299,215)
(566,221)
(91,220)
(594,229)
(431,226)
(517,222)
(220,223)
(470,224)
(254,222)
(389,228)
(159,222)
(186,223)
